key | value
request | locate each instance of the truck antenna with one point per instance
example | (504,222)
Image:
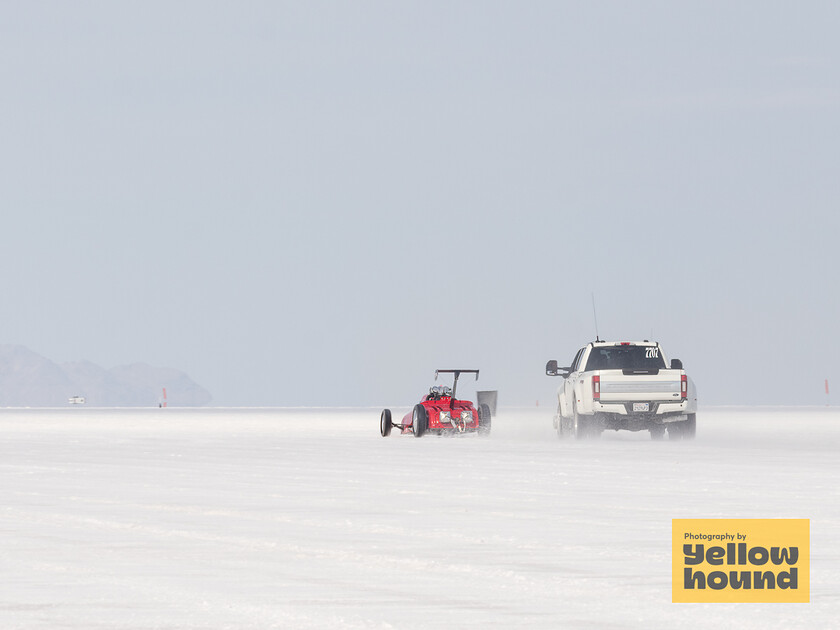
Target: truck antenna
(595,314)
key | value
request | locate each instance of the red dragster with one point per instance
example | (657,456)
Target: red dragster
(440,412)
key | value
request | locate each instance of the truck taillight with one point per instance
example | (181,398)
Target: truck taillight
(683,387)
(596,387)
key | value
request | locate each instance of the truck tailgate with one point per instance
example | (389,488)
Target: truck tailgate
(618,386)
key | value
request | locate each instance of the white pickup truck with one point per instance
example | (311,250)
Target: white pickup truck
(624,385)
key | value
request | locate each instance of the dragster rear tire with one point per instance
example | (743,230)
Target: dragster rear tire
(419,420)
(385,423)
(484,420)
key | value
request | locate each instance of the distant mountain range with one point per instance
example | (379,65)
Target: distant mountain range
(29,380)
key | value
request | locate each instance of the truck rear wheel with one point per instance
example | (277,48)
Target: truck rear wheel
(690,427)
(685,430)
(580,426)
(657,432)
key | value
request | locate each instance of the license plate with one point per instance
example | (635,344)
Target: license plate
(641,406)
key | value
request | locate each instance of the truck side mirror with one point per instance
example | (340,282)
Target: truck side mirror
(551,369)
(676,364)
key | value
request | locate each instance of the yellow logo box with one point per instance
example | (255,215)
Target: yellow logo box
(740,560)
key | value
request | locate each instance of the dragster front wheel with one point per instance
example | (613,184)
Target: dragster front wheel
(385,423)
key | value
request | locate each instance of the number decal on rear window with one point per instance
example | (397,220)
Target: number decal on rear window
(652,353)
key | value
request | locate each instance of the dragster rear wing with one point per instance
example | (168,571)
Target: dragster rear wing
(457,373)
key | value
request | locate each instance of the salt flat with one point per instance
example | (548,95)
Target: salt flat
(273,518)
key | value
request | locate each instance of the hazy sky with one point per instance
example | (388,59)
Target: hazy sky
(319,203)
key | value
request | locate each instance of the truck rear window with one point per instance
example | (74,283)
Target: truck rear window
(625,358)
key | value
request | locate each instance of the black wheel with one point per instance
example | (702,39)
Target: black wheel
(563,425)
(675,430)
(385,423)
(580,425)
(557,421)
(596,426)
(484,420)
(690,427)
(419,420)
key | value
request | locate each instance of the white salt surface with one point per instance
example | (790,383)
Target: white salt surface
(205,519)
